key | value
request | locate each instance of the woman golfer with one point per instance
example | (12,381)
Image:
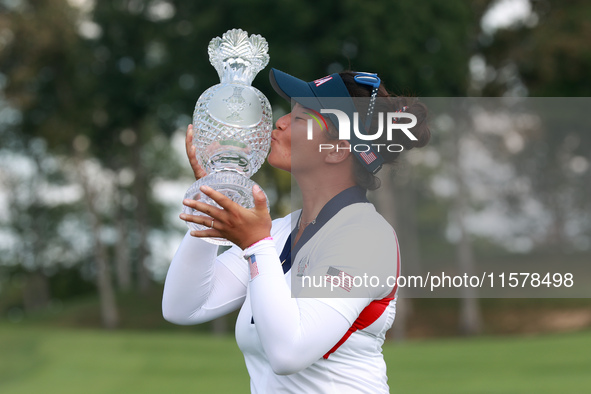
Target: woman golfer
(308,321)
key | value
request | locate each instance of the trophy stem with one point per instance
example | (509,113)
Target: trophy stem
(233,185)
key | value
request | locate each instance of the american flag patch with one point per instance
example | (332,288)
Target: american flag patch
(368,157)
(252,264)
(320,81)
(339,278)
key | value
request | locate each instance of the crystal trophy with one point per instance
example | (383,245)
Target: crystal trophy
(232,123)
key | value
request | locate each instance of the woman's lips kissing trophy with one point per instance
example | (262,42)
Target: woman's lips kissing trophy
(232,123)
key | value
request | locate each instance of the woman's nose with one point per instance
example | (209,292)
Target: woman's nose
(283,122)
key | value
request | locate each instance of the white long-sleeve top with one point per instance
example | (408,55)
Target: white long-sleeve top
(327,340)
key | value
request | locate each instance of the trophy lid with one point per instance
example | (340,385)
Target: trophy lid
(238,58)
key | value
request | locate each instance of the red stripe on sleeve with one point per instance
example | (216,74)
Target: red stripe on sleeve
(372,312)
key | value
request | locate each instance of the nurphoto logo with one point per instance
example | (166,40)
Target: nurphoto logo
(391,119)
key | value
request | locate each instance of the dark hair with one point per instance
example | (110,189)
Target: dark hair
(421,130)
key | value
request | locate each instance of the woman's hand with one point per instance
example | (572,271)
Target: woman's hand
(239,225)
(191,150)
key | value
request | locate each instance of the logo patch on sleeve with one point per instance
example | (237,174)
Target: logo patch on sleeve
(339,278)
(252,264)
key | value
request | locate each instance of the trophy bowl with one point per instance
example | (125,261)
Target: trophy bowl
(232,123)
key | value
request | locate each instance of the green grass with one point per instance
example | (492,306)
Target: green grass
(540,364)
(38,360)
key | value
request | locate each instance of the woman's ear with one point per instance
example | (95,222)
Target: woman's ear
(339,152)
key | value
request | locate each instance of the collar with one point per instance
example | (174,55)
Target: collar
(345,198)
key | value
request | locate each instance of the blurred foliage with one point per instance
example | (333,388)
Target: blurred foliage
(113,81)
(548,55)
(109,85)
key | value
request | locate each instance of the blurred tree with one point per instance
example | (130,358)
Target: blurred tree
(36,217)
(548,54)
(41,62)
(114,81)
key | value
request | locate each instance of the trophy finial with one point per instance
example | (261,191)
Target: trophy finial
(238,58)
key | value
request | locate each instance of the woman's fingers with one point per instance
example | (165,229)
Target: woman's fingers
(218,197)
(260,200)
(239,225)
(189,139)
(198,171)
(198,219)
(206,234)
(211,211)
(214,227)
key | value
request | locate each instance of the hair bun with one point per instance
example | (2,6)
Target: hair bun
(420,130)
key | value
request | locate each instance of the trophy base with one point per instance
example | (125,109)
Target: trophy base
(233,185)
